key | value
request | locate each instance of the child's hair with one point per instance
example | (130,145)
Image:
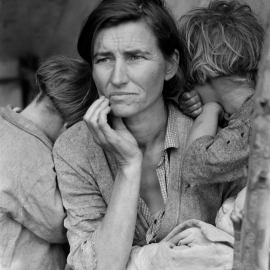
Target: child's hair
(66,83)
(223,39)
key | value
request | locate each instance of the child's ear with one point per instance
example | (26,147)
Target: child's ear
(172,65)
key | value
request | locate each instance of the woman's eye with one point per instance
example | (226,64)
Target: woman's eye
(103,60)
(136,57)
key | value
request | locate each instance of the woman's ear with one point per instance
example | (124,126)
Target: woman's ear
(172,65)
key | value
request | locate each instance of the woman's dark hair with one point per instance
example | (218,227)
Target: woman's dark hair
(223,39)
(111,13)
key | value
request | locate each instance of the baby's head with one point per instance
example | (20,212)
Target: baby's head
(223,219)
(223,39)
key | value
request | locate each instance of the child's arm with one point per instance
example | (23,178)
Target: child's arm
(206,123)
(221,158)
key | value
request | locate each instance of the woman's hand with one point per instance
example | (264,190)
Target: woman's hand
(189,236)
(190,103)
(117,140)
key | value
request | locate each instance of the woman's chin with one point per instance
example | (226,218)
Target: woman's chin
(121,112)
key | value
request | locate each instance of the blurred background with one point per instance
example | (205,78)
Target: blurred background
(31,30)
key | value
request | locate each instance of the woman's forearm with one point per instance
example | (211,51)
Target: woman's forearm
(114,237)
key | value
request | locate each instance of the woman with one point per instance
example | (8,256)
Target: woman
(120,171)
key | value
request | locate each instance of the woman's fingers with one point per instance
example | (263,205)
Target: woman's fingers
(102,116)
(180,236)
(118,139)
(93,107)
(103,128)
(186,241)
(175,240)
(91,118)
(92,115)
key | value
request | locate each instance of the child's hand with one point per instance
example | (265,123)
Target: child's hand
(190,103)
(192,236)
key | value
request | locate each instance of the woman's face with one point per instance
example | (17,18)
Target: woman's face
(129,68)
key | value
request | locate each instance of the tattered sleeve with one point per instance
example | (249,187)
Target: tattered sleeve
(221,158)
(43,212)
(85,210)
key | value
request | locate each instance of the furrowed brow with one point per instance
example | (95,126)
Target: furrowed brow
(137,51)
(102,54)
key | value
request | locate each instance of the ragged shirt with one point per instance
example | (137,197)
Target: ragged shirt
(163,174)
(222,158)
(31,210)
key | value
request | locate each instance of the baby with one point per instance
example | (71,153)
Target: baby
(198,232)
(236,204)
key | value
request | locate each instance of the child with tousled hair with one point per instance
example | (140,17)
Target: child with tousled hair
(32,233)
(224,42)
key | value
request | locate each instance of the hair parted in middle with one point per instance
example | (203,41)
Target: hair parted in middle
(223,39)
(66,83)
(155,14)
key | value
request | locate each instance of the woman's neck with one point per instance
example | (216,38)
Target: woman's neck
(149,128)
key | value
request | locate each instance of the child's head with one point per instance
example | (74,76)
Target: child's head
(223,219)
(65,84)
(224,39)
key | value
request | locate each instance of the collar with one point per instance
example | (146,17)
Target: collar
(171,137)
(21,122)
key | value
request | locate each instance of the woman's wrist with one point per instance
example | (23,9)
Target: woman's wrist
(135,160)
(131,166)
(130,172)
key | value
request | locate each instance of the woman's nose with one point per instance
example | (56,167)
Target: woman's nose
(119,74)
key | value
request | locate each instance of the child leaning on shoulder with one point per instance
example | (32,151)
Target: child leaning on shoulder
(224,43)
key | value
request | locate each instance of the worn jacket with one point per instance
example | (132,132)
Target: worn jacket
(31,210)
(222,158)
